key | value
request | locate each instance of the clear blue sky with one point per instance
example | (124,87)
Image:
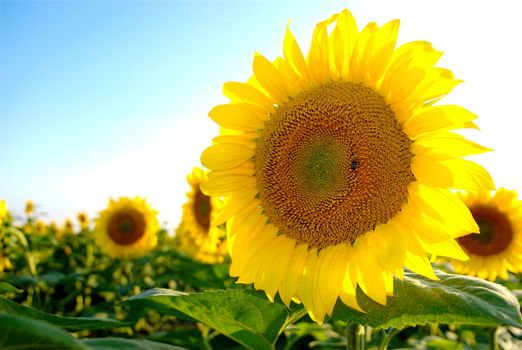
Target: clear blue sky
(109,98)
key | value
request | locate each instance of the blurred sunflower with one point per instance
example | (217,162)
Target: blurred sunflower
(187,244)
(497,248)
(83,220)
(29,208)
(3,212)
(40,227)
(337,167)
(68,227)
(127,228)
(196,236)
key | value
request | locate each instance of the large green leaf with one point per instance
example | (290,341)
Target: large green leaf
(453,299)
(246,316)
(127,344)
(23,333)
(73,323)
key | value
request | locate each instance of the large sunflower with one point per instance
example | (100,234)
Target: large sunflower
(196,235)
(497,249)
(127,228)
(337,167)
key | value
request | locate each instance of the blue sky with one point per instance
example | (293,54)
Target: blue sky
(110,98)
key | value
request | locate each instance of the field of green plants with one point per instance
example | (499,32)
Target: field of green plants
(60,291)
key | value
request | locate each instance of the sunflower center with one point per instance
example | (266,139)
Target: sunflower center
(495,234)
(127,226)
(202,208)
(333,163)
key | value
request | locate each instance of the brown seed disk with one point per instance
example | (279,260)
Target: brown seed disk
(332,164)
(126,226)
(202,208)
(496,232)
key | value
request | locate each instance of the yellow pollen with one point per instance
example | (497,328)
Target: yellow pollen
(332,163)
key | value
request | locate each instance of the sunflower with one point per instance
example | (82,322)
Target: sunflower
(126,228)
(29,207)
(83,220)
(336,168)
(497,249)
(196,236)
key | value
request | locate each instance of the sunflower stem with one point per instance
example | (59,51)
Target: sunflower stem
(388,337)
(493,339)
(354,336)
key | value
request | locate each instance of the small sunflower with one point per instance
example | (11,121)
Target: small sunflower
(497,248)
(337,167)
(83,220)
(40,227)
(196,235)
(127,228)
(29,208)
(68,227)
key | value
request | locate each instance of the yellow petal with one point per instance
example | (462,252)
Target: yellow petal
(234,205)
(431,172)
(228,185)
(449,248)
(332,267)
(276,269)
(307,290)
(223,156)
(447,144)
(293,55)
(451,209)
(318,61)
(295,269)
(437,118)
(469,175)
(347,27)
(372,281)
(270,79)
(246,93)
(239,116)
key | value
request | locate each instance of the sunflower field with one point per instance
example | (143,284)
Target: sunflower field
(336,209)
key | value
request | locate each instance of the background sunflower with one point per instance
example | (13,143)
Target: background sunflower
(127,228)
(196,234)
(497,248)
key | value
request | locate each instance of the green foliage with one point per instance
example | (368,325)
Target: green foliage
(453,299)
(72,323)
(246,316)
(58,290)
(22,333)
(8,288)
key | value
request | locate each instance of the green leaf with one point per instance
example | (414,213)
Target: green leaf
(245,316)
(22,333)
(73,323)
(127,344)
(8,288)
(453,299)
(50,278)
